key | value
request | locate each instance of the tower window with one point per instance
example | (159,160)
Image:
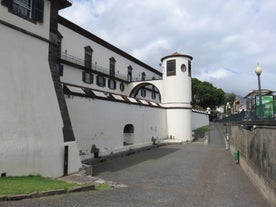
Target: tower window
(189,68)
(171,67)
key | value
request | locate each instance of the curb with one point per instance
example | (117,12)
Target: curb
(93,161)
(46,193)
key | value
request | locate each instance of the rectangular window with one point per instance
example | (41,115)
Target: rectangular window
(143,92)
(28,9)
(171,68)
(60,69)
(101,81)
(112,84)
(22,8)
(112,62)
(87,77)
(143,76)
(153,94)
(88,57)
(129,73)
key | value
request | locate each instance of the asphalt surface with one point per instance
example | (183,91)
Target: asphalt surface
(173,175)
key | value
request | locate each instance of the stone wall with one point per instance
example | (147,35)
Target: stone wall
(199,119)
(256,146)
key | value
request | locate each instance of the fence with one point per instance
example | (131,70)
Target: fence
(268,113)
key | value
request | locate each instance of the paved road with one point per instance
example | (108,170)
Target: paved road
(174,176)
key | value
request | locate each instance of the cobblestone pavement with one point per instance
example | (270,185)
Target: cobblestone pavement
(173,175)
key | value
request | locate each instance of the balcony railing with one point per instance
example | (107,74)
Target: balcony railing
(72,59)
(106,71)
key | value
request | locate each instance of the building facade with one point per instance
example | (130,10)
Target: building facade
(68,96)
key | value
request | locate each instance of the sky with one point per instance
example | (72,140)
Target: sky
(227,39)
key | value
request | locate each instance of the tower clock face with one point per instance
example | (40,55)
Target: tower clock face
(183,67)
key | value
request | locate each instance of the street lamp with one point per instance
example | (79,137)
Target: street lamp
(258,71)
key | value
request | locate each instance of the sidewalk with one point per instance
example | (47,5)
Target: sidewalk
(82,178)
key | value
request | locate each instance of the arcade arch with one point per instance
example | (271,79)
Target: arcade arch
(147,91)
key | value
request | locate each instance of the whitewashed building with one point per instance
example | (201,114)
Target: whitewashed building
(32,132)
(68,96)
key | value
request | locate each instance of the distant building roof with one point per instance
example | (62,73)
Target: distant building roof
(256,93)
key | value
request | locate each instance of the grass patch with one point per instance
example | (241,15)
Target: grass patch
(103,187)
(203,129)
(29,184)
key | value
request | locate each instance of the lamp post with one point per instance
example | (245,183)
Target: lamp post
(258,71)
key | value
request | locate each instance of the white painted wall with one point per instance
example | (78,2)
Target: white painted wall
(199,120)
(102,123)
(30,122)
(179,124)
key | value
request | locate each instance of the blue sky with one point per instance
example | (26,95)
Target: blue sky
(226,38)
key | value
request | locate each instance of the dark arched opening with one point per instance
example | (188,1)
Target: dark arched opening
(128,134)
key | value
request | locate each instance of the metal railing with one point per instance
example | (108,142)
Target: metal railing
(250,115)
(72,59)
(106,71)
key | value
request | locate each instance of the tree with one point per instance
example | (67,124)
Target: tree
(204,94)
(230,97)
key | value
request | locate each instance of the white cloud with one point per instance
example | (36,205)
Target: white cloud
(217,74)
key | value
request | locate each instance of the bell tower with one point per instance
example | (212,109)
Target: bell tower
(177,95)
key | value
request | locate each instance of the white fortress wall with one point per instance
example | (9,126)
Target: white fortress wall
(30,121)
(102,123)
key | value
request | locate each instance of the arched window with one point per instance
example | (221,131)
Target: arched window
(129,128)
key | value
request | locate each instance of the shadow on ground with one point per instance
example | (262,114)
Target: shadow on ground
(116,164)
